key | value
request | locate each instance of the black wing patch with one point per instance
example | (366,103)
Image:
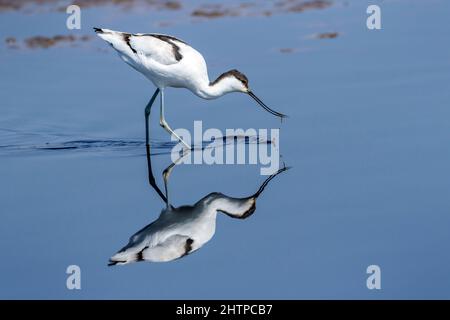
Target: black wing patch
(126,38)
(170,40)
(165,37)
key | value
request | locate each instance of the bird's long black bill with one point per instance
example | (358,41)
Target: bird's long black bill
(262,104)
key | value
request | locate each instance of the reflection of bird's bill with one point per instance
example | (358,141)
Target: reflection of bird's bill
(262,104)
(266,182)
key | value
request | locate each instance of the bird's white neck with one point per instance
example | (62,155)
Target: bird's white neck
(231,206)
(213,90)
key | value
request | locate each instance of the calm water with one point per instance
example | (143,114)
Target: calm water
(367,139)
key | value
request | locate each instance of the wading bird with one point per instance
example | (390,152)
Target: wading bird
(170,62)
(180,231)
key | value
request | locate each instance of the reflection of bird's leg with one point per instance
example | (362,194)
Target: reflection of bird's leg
(147,114)
(151,178)
(166,173)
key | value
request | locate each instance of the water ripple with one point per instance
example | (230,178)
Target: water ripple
(25,143)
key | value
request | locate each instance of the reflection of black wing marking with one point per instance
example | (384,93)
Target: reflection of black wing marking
(172,248)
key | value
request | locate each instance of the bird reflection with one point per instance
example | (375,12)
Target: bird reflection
(179,231)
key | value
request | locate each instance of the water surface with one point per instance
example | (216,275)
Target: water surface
(367,139)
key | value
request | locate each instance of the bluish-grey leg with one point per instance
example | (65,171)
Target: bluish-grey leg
(147,115)
(165,125)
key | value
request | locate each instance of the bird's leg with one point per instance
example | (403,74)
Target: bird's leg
(165,125)
(147,115)
(168,171)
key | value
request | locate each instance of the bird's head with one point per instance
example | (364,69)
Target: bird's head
(233,81)
(236,81)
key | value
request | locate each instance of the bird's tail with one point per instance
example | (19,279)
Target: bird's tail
(114,38)
(102,32)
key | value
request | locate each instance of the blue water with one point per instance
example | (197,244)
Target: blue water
(367,139)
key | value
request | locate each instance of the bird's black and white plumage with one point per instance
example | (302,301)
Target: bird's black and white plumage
(180,231)
(170,62)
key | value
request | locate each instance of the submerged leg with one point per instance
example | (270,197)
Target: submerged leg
(147,114)
(165,125)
